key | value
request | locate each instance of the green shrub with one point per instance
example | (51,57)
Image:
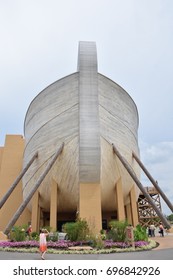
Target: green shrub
(140,233)
(76,231)
(34,235)
(98,242)
(117,231)
(103,234)
(18,233)
(53,236)
(71,230)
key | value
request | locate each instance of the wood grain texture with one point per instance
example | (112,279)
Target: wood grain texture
(88,112)
(89,125)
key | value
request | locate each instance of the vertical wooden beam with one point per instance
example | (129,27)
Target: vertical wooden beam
(129,214)
(120,200)
(35,212)
(90,206)
(133,204)
(53,206)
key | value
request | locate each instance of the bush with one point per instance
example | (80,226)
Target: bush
(34,235)
(103,234)
(140,233)
(117,231)
(98,242)
(53,236)
(18,233)
(76,231)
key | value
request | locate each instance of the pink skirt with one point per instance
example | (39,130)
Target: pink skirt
(43,248)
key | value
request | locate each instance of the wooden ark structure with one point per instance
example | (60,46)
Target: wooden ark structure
(80,152)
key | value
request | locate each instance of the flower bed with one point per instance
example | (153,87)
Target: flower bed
(62,246)
(123,245)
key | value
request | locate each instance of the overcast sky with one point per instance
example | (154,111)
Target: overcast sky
(39,45)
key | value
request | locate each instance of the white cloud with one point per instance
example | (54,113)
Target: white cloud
(158,159)
(39,41)
(157,153)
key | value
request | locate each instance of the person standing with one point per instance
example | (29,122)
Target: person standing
(29,231)
(149,231)
(161,230)
(152,227)
(43,242)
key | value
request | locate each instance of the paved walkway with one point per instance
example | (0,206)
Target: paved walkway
(164,242)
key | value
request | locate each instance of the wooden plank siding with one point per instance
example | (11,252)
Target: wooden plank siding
(88,112)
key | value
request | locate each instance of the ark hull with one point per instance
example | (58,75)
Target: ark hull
(49,125)
(88,112)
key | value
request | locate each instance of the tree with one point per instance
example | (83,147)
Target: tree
(170,217)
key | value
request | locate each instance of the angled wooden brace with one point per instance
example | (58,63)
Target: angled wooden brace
(35,187)
(140,186)
(155,184)
(17,180)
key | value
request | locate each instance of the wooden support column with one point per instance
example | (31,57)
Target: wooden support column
(35,212)
(129,214)
(120,200)
(90,206)
(133,204)
(53,206)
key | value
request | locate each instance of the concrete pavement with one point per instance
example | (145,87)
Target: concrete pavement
(164,242)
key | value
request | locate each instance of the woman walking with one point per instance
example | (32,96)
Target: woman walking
(43,242)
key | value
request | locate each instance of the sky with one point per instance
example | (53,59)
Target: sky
(39,45)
